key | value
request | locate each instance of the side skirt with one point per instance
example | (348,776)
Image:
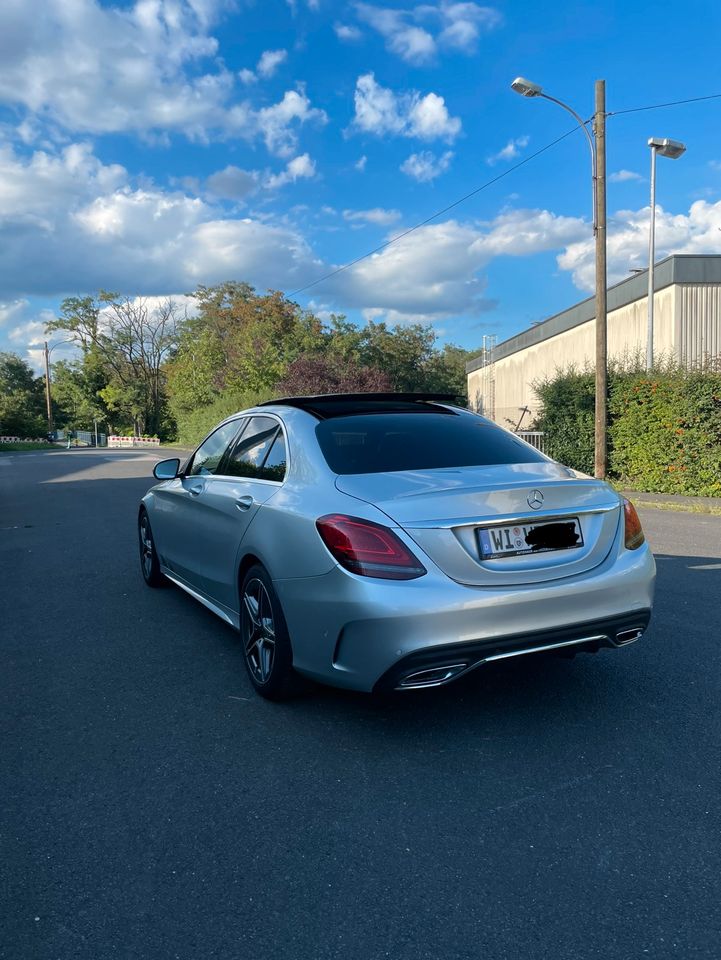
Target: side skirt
(218,609)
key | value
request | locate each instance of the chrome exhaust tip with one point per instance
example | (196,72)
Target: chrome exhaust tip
(431,676)
(628,636)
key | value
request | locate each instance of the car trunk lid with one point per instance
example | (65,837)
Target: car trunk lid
(444,510)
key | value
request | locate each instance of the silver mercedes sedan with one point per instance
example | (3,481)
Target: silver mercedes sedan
(392,542)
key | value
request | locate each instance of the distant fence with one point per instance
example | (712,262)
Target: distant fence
(87,437)
(537,438)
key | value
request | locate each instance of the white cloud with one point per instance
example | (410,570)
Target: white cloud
(150,67)
(463,24)
(68,223)
(11,312)
(32,332)
(622,176)
(32,188)
(269,62)
(511,150)
(299,168)
(695,232)
(104,69)
(433,272)
(90,229)
(347,33)
(410,42)
(276,122)
(417,34)
(28,335)
(360,163)
(715,164)
(232,183)
(381,111)
(377,215)
(425,166)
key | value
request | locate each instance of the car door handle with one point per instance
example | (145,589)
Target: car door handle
(196,488)
(244,503)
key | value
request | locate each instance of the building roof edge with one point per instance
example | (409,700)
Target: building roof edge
(677,268)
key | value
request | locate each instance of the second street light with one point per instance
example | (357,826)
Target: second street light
(672,149)
(597,144)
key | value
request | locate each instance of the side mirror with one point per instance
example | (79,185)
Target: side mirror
(166,469)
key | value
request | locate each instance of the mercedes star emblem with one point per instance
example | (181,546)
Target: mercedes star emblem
(535,499)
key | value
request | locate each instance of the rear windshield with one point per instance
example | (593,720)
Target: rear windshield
(385,442)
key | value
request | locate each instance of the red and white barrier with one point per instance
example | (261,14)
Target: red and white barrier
(130,442)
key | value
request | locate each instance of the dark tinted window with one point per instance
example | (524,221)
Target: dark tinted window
(274,466)
(209,454)
(250,451)
(386,442)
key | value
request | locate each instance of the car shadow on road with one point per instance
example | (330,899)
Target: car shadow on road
(540,687)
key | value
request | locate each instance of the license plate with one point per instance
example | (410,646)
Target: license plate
(520,539)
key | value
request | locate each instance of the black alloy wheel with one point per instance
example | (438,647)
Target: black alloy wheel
(149,563)
(266,644)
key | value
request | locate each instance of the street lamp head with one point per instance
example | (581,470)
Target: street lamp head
(667,148)
(526,88)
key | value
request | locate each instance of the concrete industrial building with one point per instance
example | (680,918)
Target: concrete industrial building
(687,328)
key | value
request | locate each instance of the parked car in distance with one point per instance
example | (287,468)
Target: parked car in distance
(392,542)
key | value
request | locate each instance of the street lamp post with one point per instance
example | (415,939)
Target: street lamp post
(48,402)
(597,145)
(672,149)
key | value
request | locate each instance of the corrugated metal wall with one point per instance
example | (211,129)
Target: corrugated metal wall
(698,334)
(514,375)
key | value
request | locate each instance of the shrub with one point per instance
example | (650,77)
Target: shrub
(665,431)
(193,426)
(568,417)
(664,426)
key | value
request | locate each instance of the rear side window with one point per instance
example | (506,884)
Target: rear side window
(250,456)
(387,442)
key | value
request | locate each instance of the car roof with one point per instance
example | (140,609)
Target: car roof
(328,405)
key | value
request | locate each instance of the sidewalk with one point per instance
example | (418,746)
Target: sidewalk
(675,501)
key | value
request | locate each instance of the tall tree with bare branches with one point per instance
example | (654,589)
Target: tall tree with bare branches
(130,339)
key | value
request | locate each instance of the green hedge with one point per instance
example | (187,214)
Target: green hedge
(664,426)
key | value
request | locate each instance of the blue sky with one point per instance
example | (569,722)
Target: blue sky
(146,147)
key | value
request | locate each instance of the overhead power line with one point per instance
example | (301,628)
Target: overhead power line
(489,183)
(670,103)
(434,216)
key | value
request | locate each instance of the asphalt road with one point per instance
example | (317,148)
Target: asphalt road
(153,807)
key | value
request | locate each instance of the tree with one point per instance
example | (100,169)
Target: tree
(310,375)
(129,340)
(75,393)
(445,371)
(22,400)
(402,352)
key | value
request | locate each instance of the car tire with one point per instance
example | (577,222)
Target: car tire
(149,563)
(267,649)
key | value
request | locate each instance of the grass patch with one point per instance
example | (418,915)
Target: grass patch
(677,507)
(21,446)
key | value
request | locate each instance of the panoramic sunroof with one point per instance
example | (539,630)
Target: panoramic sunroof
(330,405)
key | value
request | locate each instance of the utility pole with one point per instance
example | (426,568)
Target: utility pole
(599,130)
(47,388)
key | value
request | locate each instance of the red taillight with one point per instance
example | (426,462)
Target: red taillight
(368,548)
(634,530)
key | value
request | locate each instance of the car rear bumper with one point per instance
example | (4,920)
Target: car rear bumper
(434,667)
(354,632)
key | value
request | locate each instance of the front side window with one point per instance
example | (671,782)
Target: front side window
(209,454)
(259,453)
(381,443)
